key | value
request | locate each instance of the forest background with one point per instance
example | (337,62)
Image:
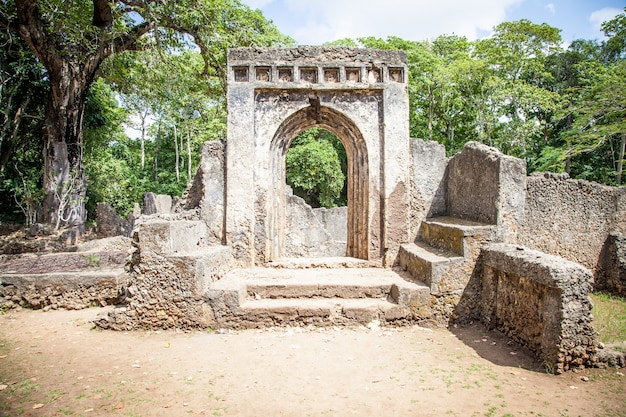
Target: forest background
(561,108)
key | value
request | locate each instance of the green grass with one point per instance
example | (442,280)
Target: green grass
(609,317)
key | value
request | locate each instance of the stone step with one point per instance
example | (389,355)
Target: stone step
(320,311)
(323,262)
(312,295)
(451,234)
(427,264)
(173,236)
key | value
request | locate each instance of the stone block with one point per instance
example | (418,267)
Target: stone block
(541,301)
(156,204)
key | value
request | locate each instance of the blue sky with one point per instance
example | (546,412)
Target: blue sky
(313,22)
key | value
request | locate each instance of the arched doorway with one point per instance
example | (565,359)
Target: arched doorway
(358,176)
(358,95)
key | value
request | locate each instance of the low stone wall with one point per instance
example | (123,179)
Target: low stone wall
(70,291)
(541,301)
(316,232)
(571,218)
(62,280)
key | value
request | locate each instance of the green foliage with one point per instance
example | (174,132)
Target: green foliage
(316,165)
(561,110)
(609,315)
(22,99)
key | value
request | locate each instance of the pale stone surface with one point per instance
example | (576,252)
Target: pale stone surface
(207,191)
(314,232)
(571,218)
(428,175)
(156,204)
(487,186)
(368,113)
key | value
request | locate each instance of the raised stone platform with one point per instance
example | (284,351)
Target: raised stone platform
(262,297)
(62,280)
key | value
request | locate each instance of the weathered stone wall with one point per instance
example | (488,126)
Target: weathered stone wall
(428,186)
(166,291)
(314,232)
(571,218)
(156,204)
(62,290)
(361,96)
(62,280)
(541,301)
(486,186)
(611,271)
(207,191)
(109,223)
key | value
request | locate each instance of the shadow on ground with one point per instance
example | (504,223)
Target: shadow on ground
(496,347)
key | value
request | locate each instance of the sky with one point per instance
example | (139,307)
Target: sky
(314,22)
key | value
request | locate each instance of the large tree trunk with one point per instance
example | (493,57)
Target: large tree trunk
(64,176)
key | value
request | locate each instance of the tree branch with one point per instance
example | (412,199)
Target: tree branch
(30,28)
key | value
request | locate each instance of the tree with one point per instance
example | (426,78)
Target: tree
(615,30)
(517,52)
(22,92)
(316,168)
(72,38)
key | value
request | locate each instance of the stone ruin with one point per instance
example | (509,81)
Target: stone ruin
(424,239)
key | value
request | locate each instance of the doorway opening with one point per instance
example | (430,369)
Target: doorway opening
(334,123)
(317,195)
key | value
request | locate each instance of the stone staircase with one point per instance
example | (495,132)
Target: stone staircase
(340,291)
(445,253)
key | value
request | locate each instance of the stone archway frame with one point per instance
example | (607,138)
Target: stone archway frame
(358,174)
(361,95)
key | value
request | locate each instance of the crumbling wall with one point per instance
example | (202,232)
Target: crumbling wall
(428,191)
(314,232)
(110,224)
(541,301)
(611,271)
(207,191)
(69,281)
(571,218)
(167,283)
(486,186)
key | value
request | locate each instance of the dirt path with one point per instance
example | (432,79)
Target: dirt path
(54,364)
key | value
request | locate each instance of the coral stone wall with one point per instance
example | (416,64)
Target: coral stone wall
(571,218)
(541,301)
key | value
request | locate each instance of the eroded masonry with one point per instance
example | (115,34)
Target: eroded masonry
(424,238)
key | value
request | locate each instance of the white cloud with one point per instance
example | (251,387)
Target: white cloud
(328,20)
(600,16)
(550,7)
(257,4)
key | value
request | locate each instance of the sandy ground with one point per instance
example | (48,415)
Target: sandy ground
(55,364)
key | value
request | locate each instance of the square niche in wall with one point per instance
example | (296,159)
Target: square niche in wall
(241,74)
(396,75)
(263,73)
(308,75)
(285,74)
(331,75)
(353,75)
(373,75)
